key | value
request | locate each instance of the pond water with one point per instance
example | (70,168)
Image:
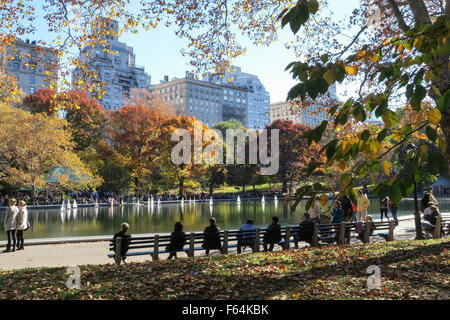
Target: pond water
(194,216)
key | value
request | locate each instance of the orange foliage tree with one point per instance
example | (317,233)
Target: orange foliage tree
(134,134)
(295,153)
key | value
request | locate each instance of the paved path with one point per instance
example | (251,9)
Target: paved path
(66,254)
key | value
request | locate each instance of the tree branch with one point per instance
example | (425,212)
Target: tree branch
(420,11)
(401,22)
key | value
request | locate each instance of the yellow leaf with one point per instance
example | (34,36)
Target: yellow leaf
(386,166)
(329,76)
(351,70)
(434,116)
(442,144)
(373,180)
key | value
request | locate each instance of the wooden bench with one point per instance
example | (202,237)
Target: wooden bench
(156,244)
(336,233)
(442,227)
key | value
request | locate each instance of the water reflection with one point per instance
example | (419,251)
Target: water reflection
(148,219)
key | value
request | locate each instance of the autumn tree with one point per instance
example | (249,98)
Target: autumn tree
(403,57)
(185,173)
(134,133)
(32,146)
(43,100)
(295,153)
(86,118)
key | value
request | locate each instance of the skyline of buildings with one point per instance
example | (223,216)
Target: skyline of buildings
(115,65)
(215,98)
(310,116)
(30,63)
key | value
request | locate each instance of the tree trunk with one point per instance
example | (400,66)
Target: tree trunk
(284,188)
(417,221)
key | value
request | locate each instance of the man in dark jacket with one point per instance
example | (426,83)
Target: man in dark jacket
(126,237)
(272,235)
(305,231)
(211,237)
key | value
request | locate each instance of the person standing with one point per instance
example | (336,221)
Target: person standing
(10,224)
(22,223)
(363,205)
(315,211)
(384,207)
(394,209)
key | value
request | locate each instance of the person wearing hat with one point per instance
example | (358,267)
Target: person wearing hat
(124,244)
(305,230)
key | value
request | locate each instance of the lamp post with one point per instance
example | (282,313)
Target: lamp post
(411,151)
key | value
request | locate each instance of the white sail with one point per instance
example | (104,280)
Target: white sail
(275,198)
(138,201)
(96,203)
(159,201)
(238,199)
(182,201)
(148,200)
(152,202)
(121,202)
(63,206)
(74,204)
(68,204)
(263,200)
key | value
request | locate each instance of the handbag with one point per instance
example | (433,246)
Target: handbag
(28,226)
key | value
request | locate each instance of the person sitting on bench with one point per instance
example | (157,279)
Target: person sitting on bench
(430,219)
(272,235)
(211,237)
(177,240)
(305,231)
(246,237)
(124,243)
(368,222)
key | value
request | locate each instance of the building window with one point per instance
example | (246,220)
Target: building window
(32,90)
(32,79)
(16,66)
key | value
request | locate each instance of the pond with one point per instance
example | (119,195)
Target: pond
(106,220)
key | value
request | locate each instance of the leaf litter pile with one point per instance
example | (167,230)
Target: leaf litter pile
(409,270)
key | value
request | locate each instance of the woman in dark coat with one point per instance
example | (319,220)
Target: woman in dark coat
(177,240)
(211,237)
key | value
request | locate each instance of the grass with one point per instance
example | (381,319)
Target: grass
(259,187)
(409,270)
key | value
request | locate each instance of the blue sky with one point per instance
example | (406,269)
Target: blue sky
(159,52)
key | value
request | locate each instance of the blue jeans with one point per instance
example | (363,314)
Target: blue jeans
(394,215)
